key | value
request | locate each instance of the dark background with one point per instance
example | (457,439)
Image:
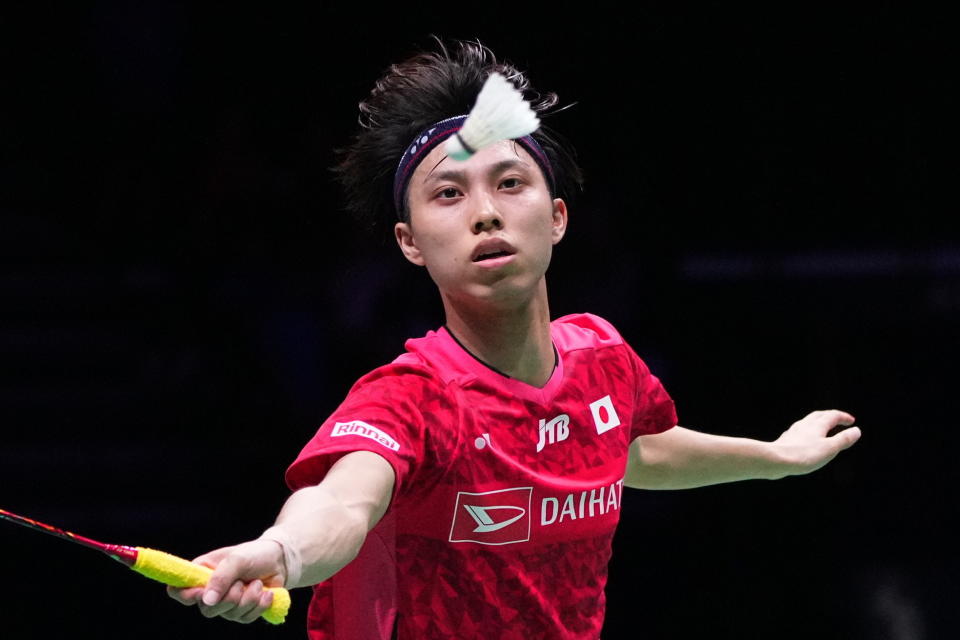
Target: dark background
(768,219)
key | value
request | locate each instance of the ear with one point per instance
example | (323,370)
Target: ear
(408,244)
(559,220)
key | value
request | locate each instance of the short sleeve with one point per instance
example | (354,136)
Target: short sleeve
(386,412)
(654,410)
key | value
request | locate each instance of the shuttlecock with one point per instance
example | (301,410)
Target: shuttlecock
(500,113)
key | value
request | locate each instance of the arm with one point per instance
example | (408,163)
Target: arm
(681,458)
(322,527)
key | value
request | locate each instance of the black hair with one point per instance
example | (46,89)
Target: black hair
(416,93)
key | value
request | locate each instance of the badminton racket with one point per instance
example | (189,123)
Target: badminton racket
(156,565)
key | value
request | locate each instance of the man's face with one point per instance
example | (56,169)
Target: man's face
(483,228)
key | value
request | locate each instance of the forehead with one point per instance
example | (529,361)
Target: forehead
(503,151)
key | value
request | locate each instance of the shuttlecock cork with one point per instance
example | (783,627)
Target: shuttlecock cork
(500,113)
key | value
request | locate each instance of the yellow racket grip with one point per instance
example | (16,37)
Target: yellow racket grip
(177,572)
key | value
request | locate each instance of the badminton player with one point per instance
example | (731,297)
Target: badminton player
(471,487)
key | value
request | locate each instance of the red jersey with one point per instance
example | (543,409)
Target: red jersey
(506,496)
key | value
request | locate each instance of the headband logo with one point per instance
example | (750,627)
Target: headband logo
(422,140)
(437,133)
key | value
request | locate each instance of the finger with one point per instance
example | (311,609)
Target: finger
(226,573)
(841,424)
(249,610)
(188,596)
(842,417)
(266,599)
(824,422)
(213,558)
(264,602)
(227,604)
(834,416)
(846,438)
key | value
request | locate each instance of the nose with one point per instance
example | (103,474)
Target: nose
(487,217)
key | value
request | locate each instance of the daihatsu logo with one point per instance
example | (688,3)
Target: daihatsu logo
(492,517)
(486,523)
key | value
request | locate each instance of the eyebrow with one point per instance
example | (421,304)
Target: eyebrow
(458,175)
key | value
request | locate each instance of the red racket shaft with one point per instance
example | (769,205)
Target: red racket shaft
(153,564)
(120,553)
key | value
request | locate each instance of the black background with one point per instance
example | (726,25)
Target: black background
(768,219)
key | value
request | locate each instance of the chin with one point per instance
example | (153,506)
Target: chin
(505,293)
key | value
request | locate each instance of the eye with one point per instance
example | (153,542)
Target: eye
(447,193)
(511,183)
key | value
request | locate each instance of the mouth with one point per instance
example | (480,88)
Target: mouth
(491,256)
(492,249)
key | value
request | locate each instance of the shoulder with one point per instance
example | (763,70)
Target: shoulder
(408,377)
(585,331)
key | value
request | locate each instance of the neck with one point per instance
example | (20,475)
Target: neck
(514,339)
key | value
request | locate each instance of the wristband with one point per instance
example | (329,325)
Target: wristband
(292,561)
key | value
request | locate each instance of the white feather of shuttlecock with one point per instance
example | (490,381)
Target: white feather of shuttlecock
(500,113)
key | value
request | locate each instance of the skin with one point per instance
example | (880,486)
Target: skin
(683,459)
(500,312)
(328,522)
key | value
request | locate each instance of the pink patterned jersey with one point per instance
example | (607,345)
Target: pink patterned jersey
(507,495)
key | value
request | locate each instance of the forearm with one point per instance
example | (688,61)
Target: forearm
(326,524)
(682,459)
(319,530)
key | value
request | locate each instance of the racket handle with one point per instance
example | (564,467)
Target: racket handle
(177,572)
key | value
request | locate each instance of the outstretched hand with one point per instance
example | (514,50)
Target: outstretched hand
(808,444)
(237,589)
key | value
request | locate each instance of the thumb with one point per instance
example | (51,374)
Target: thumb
(227,572)
(847,437)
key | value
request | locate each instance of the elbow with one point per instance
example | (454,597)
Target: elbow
(646,477)
(355,533)
(646,467)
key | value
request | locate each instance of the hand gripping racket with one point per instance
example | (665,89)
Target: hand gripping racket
(156,565)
